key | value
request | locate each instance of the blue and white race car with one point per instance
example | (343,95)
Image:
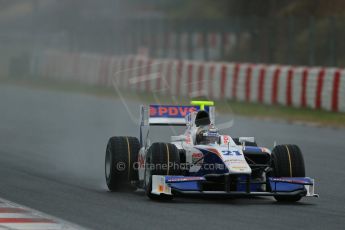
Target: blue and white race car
(202,162)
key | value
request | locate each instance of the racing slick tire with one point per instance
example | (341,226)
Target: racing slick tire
(161,159)
(246,143)
(120,163)
(287,161)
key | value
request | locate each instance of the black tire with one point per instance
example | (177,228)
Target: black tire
(247,143)
(287,161)
(120,162)
(157,155)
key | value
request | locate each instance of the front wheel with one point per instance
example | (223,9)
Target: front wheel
(161,159)
(287,161)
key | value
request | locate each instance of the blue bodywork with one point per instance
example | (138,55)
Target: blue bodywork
(194,181)
(277,185)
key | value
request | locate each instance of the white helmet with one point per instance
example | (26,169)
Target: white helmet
(207,135)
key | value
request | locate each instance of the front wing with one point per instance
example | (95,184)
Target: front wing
(191,185)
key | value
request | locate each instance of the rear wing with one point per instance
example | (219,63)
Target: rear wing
(169,115)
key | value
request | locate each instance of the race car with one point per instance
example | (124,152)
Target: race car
(201,161)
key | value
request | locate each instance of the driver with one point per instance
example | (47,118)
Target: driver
(207,135)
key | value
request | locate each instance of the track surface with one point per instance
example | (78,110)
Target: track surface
(52,159)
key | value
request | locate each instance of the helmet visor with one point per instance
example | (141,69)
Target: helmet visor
(209,139)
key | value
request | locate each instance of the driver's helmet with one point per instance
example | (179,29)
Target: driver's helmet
(207,135)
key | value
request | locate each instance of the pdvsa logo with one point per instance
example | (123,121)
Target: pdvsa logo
(171,111)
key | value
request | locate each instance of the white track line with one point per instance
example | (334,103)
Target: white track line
(17,217)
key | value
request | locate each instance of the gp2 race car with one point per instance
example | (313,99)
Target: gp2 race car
(201,162)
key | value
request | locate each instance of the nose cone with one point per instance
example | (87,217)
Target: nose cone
(234,160)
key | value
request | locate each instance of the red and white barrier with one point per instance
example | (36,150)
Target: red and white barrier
(303,87)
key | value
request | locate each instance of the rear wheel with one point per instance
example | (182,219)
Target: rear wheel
(287,161)
(120,162)
(161,159)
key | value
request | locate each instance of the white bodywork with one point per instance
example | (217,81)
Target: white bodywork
(230,153)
